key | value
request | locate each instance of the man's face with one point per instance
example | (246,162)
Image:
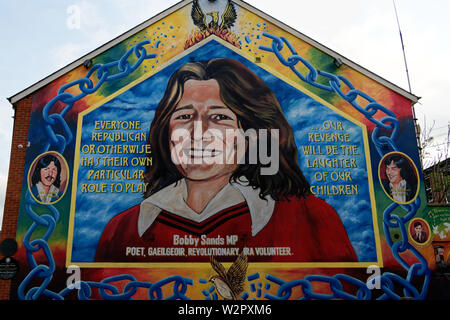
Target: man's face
(49,174)
(393,173)
(200,145)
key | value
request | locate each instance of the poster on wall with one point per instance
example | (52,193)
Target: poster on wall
(214,137)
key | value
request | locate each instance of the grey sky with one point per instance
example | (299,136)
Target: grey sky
(36,41)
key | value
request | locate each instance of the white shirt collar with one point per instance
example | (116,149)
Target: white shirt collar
(399,193)
(43,195)
(172,199)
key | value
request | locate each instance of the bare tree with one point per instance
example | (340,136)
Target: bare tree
(435,162)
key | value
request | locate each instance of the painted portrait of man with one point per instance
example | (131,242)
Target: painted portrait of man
(203,192)
(419,234)
(46,179)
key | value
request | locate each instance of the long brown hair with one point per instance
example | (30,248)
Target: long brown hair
(255,106)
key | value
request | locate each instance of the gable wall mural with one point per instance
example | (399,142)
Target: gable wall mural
(216,155)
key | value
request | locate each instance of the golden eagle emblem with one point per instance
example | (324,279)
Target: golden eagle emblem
(228,17)
(230,284)
(218,25)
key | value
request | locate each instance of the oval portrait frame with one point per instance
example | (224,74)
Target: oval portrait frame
(429,231)
(64,167)
(414,169)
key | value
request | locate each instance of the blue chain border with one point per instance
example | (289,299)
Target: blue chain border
(180,284)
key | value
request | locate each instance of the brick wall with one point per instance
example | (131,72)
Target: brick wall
(15,176)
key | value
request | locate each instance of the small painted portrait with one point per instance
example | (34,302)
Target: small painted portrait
(419,231)
(399,177)
(48,178)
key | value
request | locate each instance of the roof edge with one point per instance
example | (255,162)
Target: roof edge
(108,45)
(38,85)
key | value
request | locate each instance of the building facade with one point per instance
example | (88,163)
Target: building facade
(213,133)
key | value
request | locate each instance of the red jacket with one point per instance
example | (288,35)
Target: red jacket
(300,230)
